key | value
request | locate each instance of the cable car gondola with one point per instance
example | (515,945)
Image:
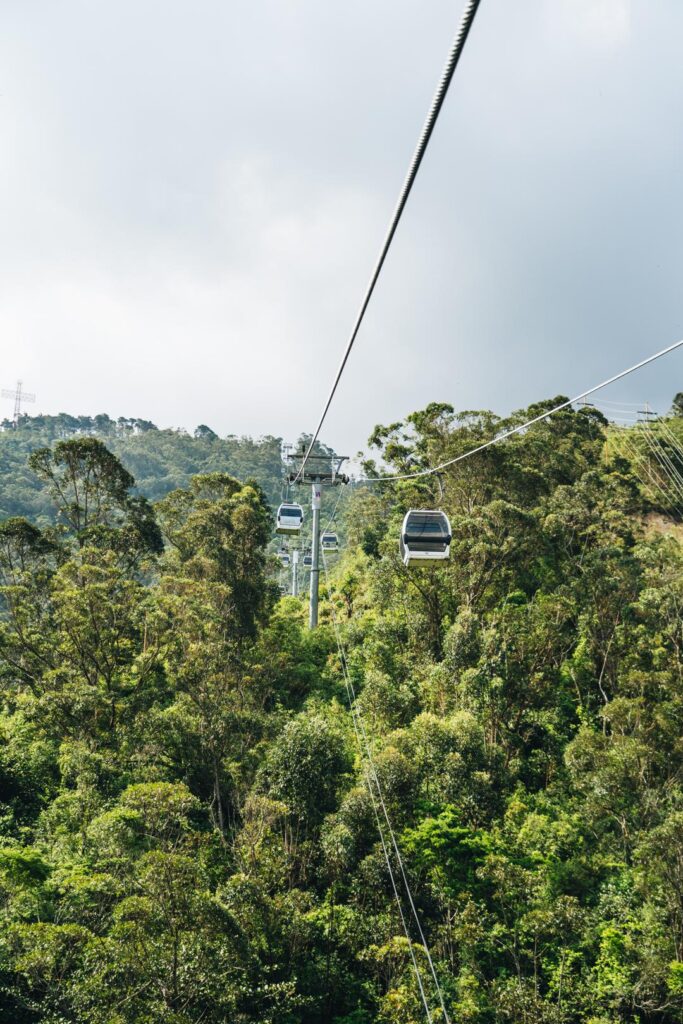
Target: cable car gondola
(289,518)
(308,559)
(425,536)
(329,542)
(284,558)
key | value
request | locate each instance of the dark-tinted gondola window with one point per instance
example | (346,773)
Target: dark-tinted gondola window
(421,526)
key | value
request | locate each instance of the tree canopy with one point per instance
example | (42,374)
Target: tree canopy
(188,827)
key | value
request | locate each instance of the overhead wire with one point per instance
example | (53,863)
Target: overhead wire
(334,512)
(673,440)
(365,748)
(620,405)
(655,442)
(615,411)
(638,459)
(432,116)
(637,462)
(664,461)
(418,474)
(662,477)
(366,757)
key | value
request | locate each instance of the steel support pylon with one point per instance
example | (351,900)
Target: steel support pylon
(316,498)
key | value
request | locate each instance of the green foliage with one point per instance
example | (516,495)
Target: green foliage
(160,460)
(187,833)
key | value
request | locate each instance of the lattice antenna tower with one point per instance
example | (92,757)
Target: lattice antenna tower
(19,396)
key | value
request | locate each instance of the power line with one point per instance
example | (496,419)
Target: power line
(622,405)
(663,458)
(637,458)
(523,426)
(656,440)
(673,440)
(439,97)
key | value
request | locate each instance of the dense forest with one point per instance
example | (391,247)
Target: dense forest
(188,826)
(159,460)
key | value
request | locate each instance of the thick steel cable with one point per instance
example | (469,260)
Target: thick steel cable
(370,774)
(351,693)
(432,117)
(523,426)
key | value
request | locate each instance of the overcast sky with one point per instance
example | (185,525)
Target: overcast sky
(192,195)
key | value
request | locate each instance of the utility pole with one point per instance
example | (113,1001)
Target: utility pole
(316,500)
(325,469)
(19,396)
(646,412)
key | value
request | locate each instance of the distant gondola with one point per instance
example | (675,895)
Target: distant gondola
(425,537)
(329,542)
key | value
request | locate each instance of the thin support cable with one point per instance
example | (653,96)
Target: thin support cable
(334,512)
(523,426)
(673,469)
(351,692)
(370,776)
(426,134)
(662,460)
(653,484)
(621,405)
(638,458)
(613,410)
(673,440)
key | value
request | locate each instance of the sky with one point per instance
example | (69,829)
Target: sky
(193,195)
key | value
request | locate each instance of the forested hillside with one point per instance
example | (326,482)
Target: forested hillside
(159,460)
(188,833)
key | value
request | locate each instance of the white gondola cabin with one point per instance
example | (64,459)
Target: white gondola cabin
(284,558)
(425,537)
(308,559)
(329,542)
(290,518)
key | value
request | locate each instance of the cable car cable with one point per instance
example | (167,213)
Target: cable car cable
(523,426)
(432,116)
